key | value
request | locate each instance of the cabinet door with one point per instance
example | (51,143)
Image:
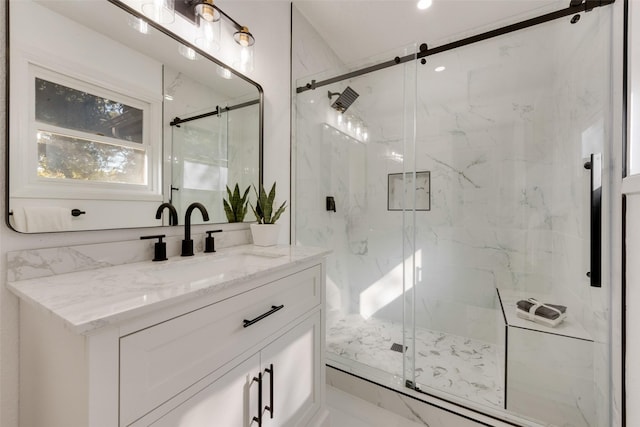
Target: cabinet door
(295,380)
(230,401)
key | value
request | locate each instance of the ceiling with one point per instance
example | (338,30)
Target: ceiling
(359,29)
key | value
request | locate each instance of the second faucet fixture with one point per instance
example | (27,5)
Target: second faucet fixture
(187,243)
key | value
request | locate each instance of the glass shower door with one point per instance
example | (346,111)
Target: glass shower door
(200,168)
(350,165)
(504,129)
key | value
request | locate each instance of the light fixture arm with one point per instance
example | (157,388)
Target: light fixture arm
(235,23)
(242,36)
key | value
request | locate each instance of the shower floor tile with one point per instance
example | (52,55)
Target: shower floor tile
(460,366)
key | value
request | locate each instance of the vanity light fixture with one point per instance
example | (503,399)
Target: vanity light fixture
(161,11)
(223,72)
(424,4)
(243,37)
(138,24)
(209,37)
(207,16)
(187,52)
(348,124)
(205,10)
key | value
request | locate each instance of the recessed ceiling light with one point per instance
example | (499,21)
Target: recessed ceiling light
(440,68)
(424,4)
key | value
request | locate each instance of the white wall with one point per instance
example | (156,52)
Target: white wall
(631,187)
(269,22)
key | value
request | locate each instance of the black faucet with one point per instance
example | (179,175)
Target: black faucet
(173,214)
(187,243)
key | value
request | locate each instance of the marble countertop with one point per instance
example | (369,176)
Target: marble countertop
(88,300)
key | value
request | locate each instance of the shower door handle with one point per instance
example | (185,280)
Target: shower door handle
(595,251)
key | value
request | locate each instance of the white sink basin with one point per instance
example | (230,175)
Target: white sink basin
(208,267)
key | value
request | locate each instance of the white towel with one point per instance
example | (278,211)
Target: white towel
(43,219)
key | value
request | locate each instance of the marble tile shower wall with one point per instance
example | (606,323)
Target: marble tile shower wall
(503,135)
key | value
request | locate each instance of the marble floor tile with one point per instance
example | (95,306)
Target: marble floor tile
(349,411)
(457,365)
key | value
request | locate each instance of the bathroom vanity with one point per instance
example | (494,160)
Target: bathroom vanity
(234,338)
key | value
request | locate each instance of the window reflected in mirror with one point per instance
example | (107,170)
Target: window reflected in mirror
(83,136)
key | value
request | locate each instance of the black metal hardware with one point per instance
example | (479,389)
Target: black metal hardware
(269,408)
(258,419)
(187,243)
(173,214)
(571,10)
(74,212)
(209,243)
(413,386)
(217,112)
(575,19)
(274,308)
(331,203)
(160,248)
(595,251)
(177,121)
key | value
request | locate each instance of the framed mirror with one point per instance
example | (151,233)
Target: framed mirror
(110,116)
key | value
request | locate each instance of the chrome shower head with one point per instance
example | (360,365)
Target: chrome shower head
(344,101)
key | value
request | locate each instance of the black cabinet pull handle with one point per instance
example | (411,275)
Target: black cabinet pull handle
(594,165)
(269,408)
(258,419)
(274,308)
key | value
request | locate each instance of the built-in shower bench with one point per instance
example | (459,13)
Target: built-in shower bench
(549,370)
(570,327)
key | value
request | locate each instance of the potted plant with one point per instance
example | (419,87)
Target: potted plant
(236,207)
(266,231)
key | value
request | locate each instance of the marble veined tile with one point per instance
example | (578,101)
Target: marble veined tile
(457,365)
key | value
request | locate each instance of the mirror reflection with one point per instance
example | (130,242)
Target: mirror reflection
(110,117)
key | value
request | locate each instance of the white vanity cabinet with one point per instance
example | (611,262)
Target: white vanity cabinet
(248,355)
(278,386)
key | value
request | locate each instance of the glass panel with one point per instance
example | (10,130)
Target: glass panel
(348,157)
(200,164)
(65,157)
(69,108)
(505,130)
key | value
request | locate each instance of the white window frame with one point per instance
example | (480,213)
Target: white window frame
(25,182)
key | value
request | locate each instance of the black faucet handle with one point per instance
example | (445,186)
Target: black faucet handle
(160,248)
(209,243)
(155,236)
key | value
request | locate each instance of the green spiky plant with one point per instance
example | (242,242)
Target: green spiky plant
(264,206)
(236,207)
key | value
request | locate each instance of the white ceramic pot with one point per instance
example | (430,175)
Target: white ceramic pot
(265,234)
